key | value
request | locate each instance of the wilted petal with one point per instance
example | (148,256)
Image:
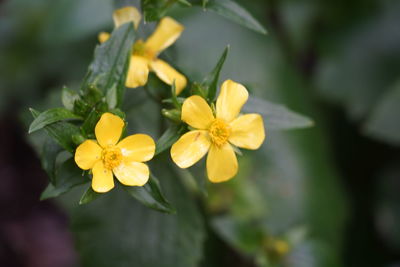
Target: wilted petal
(127,14)
(166,33)
(103,37)
(138,72)
(168,74)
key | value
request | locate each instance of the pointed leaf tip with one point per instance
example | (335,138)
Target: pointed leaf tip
(89,196)
(211,80)
(151,195)
(234,12)
(276,116)
(51,116)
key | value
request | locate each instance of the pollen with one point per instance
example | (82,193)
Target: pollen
(111,157)
(219,132)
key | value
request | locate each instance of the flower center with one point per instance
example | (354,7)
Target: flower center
(219,132)
(111,157)
(140,49)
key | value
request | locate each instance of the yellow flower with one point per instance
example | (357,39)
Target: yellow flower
(107,155)
(216,134)
(144,56)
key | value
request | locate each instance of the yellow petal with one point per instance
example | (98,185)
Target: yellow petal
(127,14)
(247,131)
(103,180)
(138,72)
(190,148)
(230,100)
(166,33)
(222,163)
(109,129)
(132,173)
(197,113)
(103,36)
(168,74)
(87,154)
(137,147)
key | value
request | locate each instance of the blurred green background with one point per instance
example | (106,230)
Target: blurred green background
(329,192)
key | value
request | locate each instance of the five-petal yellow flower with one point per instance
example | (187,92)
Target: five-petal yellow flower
(107,155)
(144,56)
(216,134)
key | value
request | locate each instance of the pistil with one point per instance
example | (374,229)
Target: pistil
(112,157)
(219,132)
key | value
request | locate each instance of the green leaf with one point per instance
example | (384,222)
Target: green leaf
(92,94)
(68,175)
(233,11)
(184,3)
(112,97)
(51,116)
(119,113)
(111,60)
(387,202)
(89,196)
(150,195)
(61,132)
(169,137)
(195,179)
(211,80)
(172,114)
(296,235)
(198,89)
(134,235)
(90,122)
(276,117)
(244,236)
(174,98)
(48,158)
(68,98)
(81,107)
(154,10)
(383,123)
(172,102)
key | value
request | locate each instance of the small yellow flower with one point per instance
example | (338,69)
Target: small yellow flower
(216,134)
(107,155)
(144,56)
(281,247)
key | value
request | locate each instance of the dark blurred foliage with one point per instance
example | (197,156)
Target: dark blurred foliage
(32,233)
(335,61)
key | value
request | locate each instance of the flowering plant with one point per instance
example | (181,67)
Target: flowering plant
(92,126)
